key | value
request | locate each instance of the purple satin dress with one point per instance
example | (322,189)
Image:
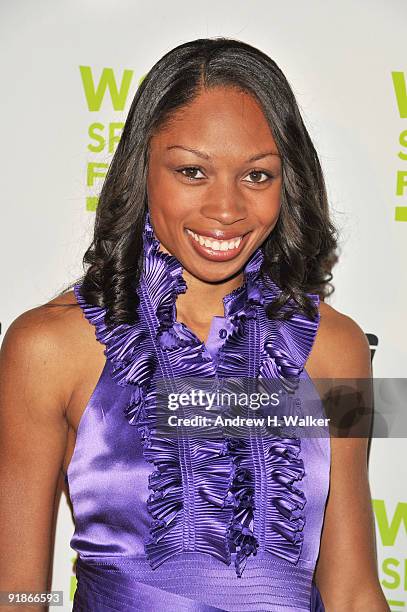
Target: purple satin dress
(188,523)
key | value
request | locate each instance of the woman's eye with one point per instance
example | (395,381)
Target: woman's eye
(258,176)
(191,172)
(255,176)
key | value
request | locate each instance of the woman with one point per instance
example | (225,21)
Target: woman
(210,260)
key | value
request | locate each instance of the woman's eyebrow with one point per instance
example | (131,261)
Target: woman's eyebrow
(208,157)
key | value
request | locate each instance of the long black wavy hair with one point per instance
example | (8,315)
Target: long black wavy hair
(300,251)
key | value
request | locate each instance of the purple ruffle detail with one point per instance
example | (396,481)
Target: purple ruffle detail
(162,282)
(124,349)
(220,487)
(287,345)
(240,497)
(284,536)
(174,499)
(162,278)
(233,362)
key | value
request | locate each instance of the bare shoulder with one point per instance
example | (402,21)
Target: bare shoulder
(341,348)
(46,344)
(52,326)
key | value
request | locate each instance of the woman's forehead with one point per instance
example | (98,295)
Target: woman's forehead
(219,120)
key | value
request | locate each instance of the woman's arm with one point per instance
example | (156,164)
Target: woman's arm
(34,378)
(346,572)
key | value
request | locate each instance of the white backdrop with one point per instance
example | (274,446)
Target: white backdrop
(339,58)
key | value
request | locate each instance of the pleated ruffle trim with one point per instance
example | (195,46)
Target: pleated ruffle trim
(210,504)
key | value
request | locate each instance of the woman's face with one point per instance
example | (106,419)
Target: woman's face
(214,183)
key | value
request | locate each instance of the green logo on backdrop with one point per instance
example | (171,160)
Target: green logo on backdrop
(390,527)
(103,138)
(95,95)
(400,90)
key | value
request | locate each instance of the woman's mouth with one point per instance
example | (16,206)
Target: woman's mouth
(216,249)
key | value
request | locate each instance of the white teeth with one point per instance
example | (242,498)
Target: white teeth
(216,245)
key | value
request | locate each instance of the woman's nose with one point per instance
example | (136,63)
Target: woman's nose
(224,203)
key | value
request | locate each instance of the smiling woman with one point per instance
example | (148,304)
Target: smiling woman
(216,196)
(210,261)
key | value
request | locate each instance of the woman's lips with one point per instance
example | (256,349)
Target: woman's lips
(216,249)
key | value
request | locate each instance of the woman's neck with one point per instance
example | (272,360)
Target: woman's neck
(202,301)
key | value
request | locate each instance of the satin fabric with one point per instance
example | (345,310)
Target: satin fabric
(108,484)
(147,542)
(125,585)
